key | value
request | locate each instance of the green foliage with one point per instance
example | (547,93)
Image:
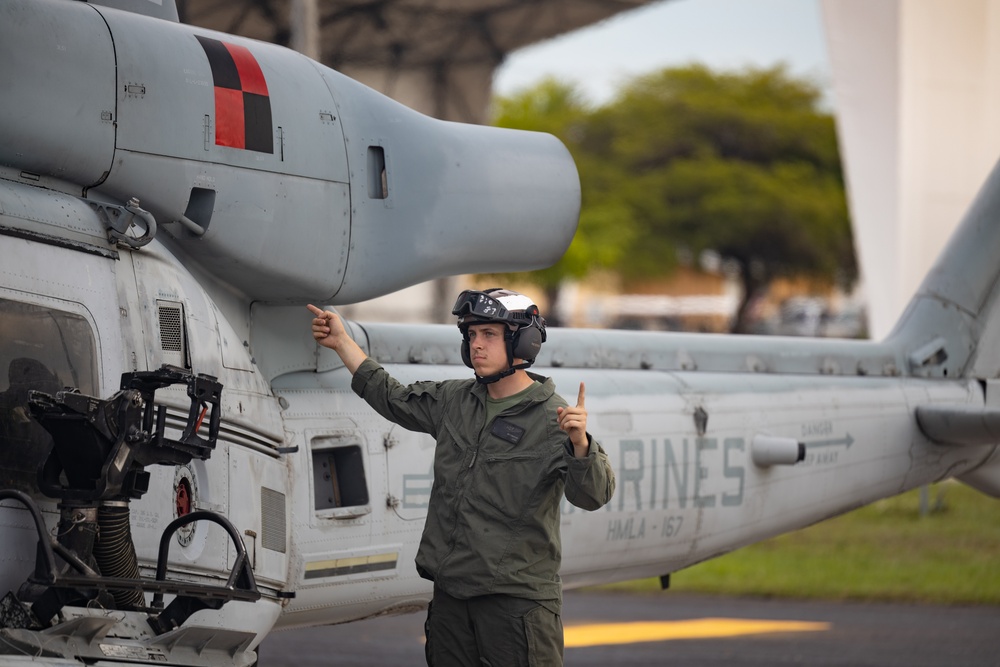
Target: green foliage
(759,117)
(785,217)
(605,228)
(885,551)
(549,106)
(745,164)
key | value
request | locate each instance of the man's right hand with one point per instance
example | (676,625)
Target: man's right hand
(329,331)
(327,328)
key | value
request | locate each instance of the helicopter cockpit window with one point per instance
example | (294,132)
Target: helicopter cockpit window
(339,484)
(44,350)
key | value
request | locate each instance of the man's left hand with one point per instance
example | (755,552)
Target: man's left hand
(573,420)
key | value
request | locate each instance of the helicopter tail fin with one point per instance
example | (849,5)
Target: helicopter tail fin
(951,327)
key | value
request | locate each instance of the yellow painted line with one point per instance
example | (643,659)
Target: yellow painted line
(352,561)
(338,567)
(658,631)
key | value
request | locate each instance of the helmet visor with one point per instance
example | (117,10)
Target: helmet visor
(479,304)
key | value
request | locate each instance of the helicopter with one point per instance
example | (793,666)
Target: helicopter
(183,470)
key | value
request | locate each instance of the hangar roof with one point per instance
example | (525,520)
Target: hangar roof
(407,34)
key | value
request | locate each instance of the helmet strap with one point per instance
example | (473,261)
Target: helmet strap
(496,377)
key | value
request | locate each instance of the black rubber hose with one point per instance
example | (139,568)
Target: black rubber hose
(115,553)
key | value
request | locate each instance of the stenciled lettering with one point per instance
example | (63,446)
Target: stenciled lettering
(672,526)
(732,472)
(810,429)
(626,529)
(701,472)
(678,470)
(630,472)
(695,472)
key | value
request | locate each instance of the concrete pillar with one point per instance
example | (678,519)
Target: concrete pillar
(303,21)
(916,93)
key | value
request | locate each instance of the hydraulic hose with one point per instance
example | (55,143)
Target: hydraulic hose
(115,552)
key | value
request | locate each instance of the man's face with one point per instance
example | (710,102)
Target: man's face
(487,348)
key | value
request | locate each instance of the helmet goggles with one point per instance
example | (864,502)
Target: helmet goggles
(507,307)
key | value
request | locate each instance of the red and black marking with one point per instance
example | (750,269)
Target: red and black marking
(242,105)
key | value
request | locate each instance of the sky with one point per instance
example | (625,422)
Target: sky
(722,34)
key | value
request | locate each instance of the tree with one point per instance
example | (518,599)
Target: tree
(605,226)
(787,219)
(745,164)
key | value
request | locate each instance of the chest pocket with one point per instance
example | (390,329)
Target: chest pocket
(510,476)
(451,452)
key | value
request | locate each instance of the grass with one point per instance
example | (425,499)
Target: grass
(886,551)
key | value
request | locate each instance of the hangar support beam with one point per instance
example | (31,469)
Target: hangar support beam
(435,56)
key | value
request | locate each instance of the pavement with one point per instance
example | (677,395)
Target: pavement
(607,629)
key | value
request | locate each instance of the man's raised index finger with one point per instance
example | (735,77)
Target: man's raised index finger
(579,397)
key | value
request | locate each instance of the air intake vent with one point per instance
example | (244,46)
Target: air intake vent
(272,520)
(171,331)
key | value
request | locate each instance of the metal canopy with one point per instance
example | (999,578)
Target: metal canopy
(407,33)
(436,56)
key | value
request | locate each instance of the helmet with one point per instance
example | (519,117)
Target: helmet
(525,327)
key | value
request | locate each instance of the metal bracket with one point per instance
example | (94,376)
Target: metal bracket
(119,219)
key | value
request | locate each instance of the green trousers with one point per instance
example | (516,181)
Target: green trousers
(492,630)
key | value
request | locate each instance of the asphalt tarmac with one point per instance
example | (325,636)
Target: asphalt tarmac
(693,631)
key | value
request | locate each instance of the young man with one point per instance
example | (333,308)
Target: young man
(508,449)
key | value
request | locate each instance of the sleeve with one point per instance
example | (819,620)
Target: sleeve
(415,407)
(590,481)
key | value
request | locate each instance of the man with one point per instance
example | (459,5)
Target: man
(508,449)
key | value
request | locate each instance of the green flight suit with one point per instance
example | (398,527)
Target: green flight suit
(493,519)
